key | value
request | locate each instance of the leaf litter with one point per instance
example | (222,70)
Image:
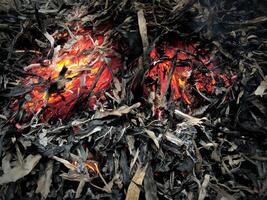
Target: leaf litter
(135,141)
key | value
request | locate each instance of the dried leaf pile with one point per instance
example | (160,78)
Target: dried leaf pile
(121,149)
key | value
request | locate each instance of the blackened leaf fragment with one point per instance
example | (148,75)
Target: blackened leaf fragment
(150,185)
(125,168)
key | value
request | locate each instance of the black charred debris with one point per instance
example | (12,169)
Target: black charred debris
(122,149)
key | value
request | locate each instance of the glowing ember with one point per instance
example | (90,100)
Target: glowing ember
(82,68)
(182,68)
(88,165)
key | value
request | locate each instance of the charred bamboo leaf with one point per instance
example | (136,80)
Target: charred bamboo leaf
(137,181)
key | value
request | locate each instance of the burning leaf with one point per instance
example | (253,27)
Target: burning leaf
(261,88)
(178,69)
(44,182)
(187,73)
(21,170)
(83,67)
(134,187)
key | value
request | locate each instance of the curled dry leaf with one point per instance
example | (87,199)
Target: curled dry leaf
(21,170)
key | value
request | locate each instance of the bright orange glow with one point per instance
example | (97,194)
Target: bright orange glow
(93,166)
(71,74)
(88,164)
(191,70)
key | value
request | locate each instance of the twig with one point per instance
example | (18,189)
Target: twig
(3,117)
(99,73)
(171,73)
(102,178)
(80,188)
(202,95)
(31,51)
(14,42)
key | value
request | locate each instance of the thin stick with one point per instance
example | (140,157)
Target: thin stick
(142,29)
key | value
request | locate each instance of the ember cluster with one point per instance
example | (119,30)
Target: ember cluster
(184,69)
(82,68)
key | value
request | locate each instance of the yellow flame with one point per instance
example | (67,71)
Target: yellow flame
(181,82)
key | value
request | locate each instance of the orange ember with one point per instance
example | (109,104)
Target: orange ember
(82,68)
(182,68)
(89,165)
